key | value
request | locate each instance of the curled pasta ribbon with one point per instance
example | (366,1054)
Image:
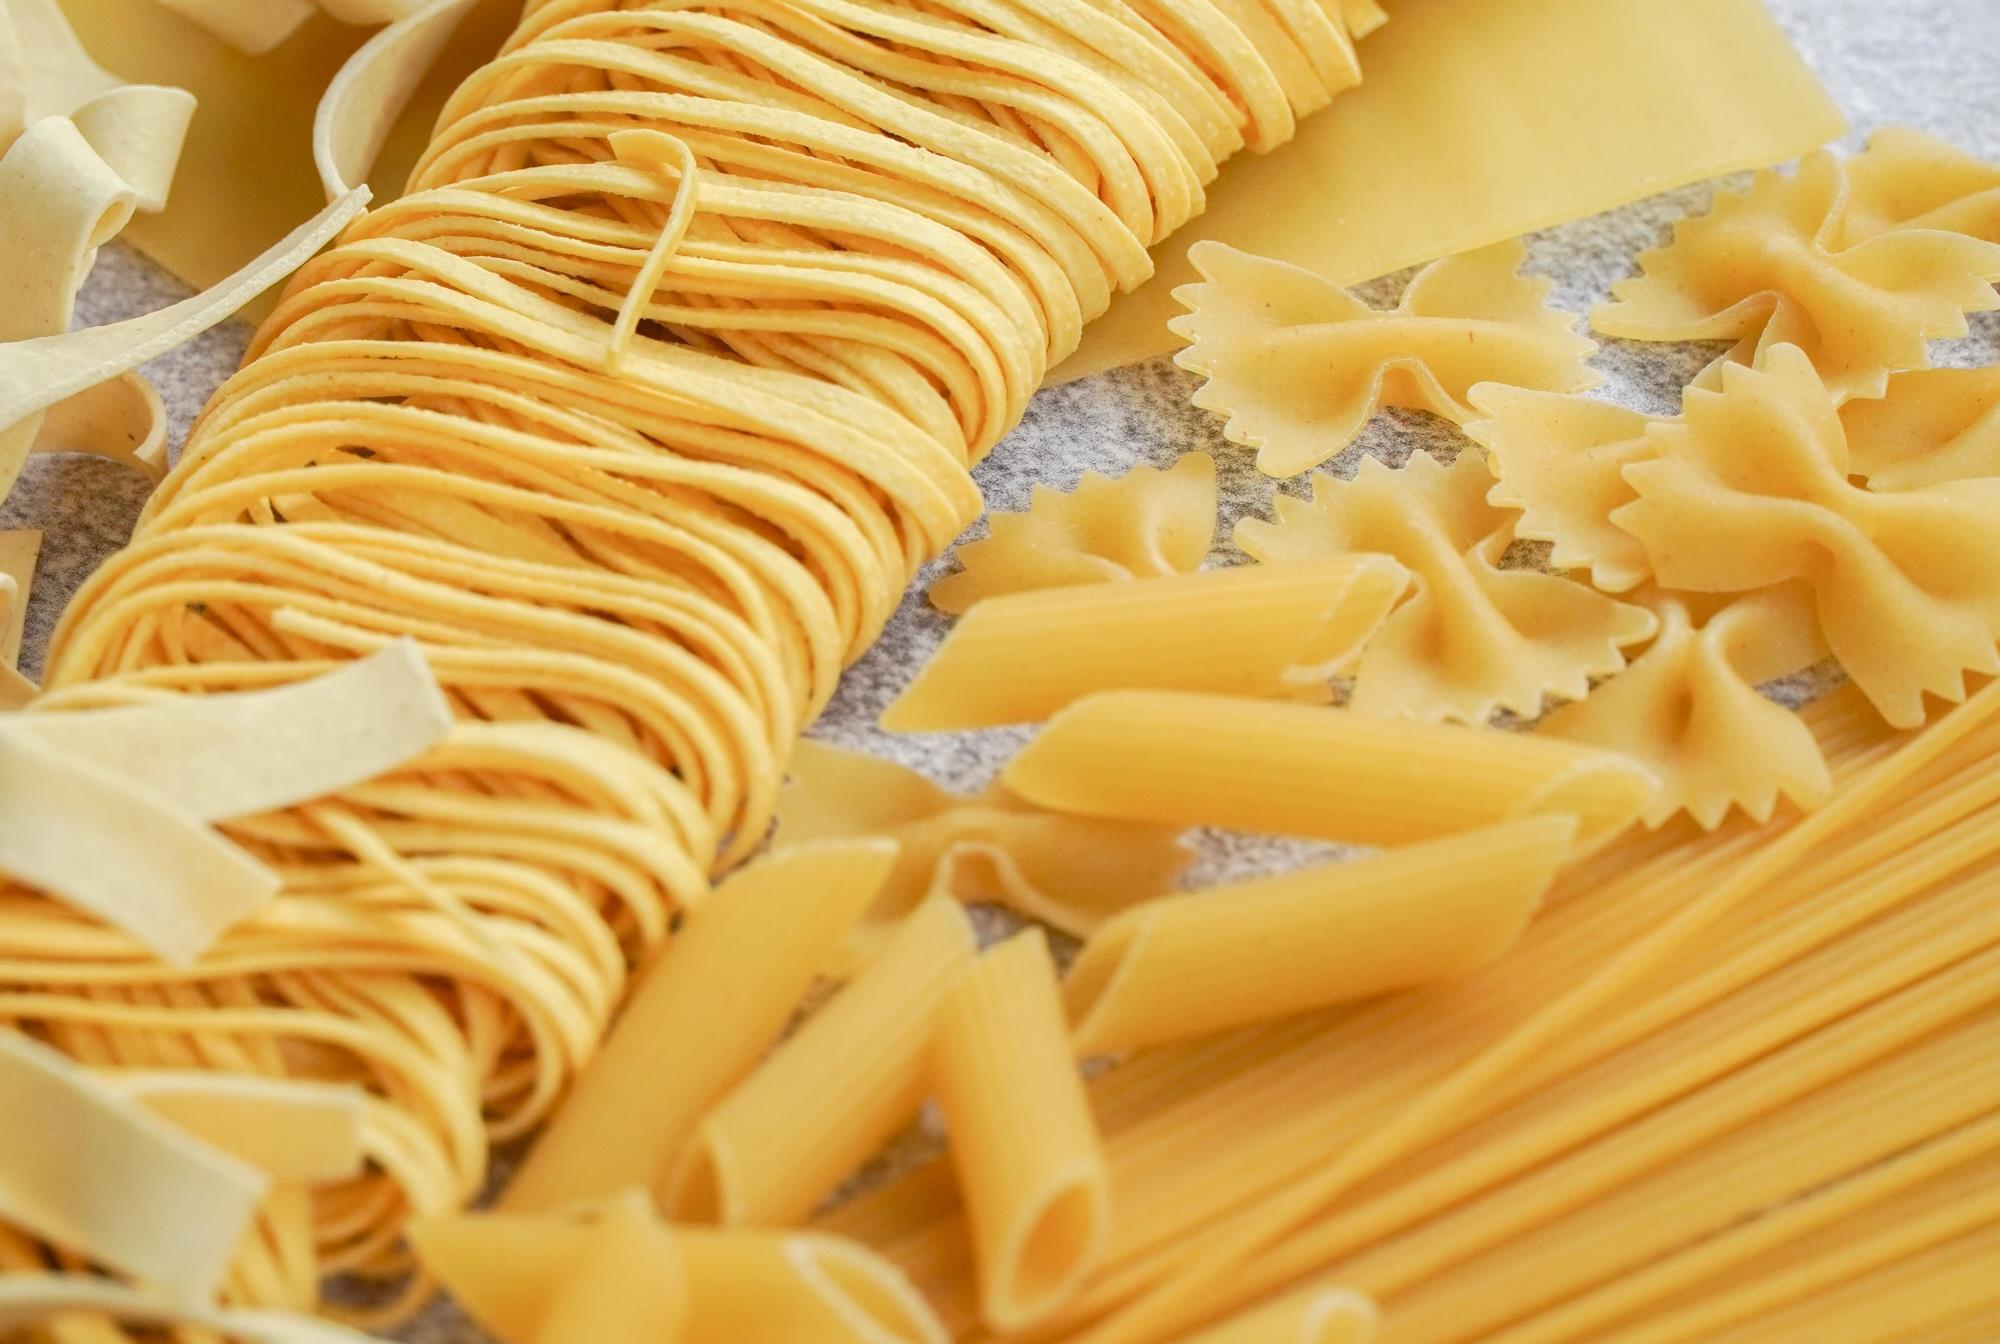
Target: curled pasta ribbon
(634,588)
(1474,638)
(1753,487)
(1298,365)
(1150,522)
(1069,872)
(1773,265)
(1688,708)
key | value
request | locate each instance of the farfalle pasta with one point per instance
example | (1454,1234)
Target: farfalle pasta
(1151,521)
(1773,265)
(1688,708)
(1070,872)
(1929,427)
(1753,487)
(1298,365)
(1560,461)
(1906,179)
(1473,638)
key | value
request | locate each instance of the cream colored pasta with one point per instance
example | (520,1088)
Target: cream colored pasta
(1931,426)
(1907,179)
(1279,630)
(1193,963)
(1030,1167)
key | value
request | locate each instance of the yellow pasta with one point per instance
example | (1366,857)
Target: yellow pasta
(1929,427)
(629,1281)
(1069,872)
(756,943)
(1149,522)
(83,1307)
(1180,759)
(1770,266)
(301,1132)
(832,1093)
(1906,179)
(1310,1316)
(1474,637)
(19,550)
(1251,630)
(1185,965)
(1030,1168)
(1298,366)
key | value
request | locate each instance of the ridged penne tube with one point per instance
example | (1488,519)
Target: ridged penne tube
(827,1098)
(1310,1316)
(1197,962)
(798,1288)
(1277,630)
(1210,760)
(755,944)
(1031,1169)
(628,1275)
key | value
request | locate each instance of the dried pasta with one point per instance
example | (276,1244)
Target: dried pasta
(637,413)
(1474,637)
(1151,521)
(1194,963)
(1770,266)
(1030,1166)
(1560,462)
(1688,708)
(1930,427)
(54,1302)
(1069,872)
(1280,630)
(756,943)
(1180,759)
(1903,582)
(1297,365)
(784,1137)
(1310,1316)
(1906,179)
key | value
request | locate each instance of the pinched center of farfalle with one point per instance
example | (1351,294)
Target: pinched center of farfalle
(1474,638)
(1299,365)
(1752,488)
(1779,264)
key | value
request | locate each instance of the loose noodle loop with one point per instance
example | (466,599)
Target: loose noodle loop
(638,412)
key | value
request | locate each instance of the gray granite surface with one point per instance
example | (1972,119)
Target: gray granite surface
(1933,64)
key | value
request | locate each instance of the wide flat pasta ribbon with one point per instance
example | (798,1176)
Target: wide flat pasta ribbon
(1771,265)
(1688,708)
(31,1300)
(18,551)
(1931,426)
(87,1167)
(1474,638)
(1560,460)
(1150,521)
(1298,365)
(1070,872)
(1753,487)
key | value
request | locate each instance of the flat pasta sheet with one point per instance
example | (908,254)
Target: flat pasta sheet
(1464,132)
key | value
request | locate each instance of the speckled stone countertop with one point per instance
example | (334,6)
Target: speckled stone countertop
(1926,63)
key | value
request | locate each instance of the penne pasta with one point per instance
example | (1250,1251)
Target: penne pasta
(1312,1315)
(1181,759)
(621,1273)
(1192,963)
(756,943)
(830,1095)
(1274,630)
(1030,1167)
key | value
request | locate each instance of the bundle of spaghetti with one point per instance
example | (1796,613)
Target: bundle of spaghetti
(637,412)
(1885,895)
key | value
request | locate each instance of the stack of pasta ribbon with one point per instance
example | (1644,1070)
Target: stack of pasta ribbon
(636,413)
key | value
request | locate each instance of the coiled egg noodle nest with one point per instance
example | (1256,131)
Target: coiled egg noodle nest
(638,412)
